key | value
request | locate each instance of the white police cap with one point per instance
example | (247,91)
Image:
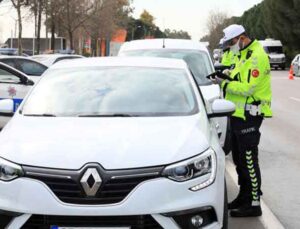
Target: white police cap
(233,31)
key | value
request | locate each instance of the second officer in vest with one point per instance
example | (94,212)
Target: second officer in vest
(250,90)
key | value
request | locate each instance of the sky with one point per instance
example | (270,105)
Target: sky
(187,15)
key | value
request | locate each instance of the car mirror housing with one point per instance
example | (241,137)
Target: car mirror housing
(221,108)
(30,82)
(6,107)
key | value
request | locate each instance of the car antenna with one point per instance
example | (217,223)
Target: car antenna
(164,42)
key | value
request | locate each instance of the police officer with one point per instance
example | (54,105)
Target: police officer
(250,90)
(228,58)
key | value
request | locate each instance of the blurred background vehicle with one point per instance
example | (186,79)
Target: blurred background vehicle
(274,49)
(28,66)
(13,85)
(296,65)
(50,59)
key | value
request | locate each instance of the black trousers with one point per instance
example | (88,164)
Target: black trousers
(245,138)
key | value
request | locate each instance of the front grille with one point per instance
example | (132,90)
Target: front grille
(116,185)
(134,222)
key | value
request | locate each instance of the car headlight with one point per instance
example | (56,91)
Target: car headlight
(9,170)
(203,164)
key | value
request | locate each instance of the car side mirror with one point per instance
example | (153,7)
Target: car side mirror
(221,108)
(29,82)
(6,107)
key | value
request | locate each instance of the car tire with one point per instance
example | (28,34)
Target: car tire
(225,211)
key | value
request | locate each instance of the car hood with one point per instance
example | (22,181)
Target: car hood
(276,55)
(115,143)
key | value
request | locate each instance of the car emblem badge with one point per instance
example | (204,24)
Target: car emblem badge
(91,182)
(12,91)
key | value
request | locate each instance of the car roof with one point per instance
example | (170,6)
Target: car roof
(56,55)
(270,42)
(159,43)
(13,57)
(21,57)
(122,62)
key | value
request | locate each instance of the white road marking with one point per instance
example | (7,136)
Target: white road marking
(268,219)
(283,78)
(296,99)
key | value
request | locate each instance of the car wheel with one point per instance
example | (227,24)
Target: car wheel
(225,212)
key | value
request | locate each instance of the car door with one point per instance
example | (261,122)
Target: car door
(13,85)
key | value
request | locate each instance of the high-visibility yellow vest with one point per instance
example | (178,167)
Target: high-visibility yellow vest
(252,81)
(228,59)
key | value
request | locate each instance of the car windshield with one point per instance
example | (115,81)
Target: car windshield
(274,49)
(113,91)
(198,61)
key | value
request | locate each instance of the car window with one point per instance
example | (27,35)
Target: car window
(7,77)
(65,58)
(273,49)
(31,68)
(198,61)
(114,90)
(10,62)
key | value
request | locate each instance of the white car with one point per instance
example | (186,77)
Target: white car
(50,59)
(13,85)
(28,66)
(196,55)
(296,65)
(106,143)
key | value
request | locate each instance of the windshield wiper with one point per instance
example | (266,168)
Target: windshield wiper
(107,115)
(40,115)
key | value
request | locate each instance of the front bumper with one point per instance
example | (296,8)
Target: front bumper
(156,197)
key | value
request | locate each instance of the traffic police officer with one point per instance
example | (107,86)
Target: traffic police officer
(228,58)
(250,90)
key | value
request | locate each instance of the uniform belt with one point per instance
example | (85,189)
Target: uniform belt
(254,110)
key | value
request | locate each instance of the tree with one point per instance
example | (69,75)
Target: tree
(37,7)
(147,18)
(18,5)
(113,14)
(66,16)
(278,19)
(216,22)
(176,34)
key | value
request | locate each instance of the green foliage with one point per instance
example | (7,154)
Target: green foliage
(278,19)
(177,34)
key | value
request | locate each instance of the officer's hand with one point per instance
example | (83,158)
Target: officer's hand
(217,80)
(227,72)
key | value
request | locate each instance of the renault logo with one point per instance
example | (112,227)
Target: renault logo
(91,182)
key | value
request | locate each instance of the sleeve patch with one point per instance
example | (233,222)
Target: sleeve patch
(255,73)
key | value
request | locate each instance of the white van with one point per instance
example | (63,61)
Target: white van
(275,51)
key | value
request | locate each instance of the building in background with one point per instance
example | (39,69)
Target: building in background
(29,44)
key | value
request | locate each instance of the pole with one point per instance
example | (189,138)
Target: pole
(11,39)
(33,45)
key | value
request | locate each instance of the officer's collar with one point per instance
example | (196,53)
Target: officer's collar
(247,46)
